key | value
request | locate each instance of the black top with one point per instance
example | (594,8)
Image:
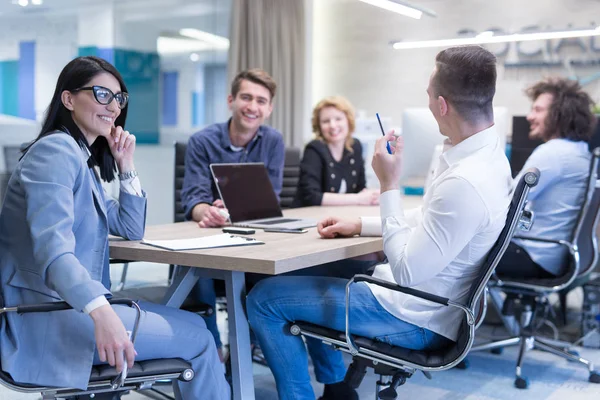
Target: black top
(320,173)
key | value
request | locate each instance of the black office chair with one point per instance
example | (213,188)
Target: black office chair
(105,382)
(588,270)
(155,294)
(178,216)
(180,149)
(291,176)
(401,363)
(530,296)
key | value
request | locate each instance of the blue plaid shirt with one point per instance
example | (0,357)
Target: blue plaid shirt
(212,145)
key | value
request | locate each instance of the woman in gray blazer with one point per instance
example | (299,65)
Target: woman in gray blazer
(54,228)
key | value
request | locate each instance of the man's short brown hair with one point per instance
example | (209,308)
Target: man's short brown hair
(254,75)
(570,115)
(466,77)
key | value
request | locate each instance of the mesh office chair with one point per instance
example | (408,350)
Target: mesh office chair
(105,383)
(400,363)
(531,295)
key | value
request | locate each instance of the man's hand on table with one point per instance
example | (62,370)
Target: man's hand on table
(214,216)
(333,227)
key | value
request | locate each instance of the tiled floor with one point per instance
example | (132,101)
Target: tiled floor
(489,376)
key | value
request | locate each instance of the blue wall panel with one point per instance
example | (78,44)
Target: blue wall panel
(170,80)
(26,80)
(140,71)
(106,53)
(10,88)
(198,110)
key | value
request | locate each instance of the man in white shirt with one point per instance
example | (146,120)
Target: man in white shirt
(561,116)
(438,248)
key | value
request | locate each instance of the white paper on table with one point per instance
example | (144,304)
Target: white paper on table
(206,242)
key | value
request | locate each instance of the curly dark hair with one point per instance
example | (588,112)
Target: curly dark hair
(570,115)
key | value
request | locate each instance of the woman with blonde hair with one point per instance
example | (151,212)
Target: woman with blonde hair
(332,171)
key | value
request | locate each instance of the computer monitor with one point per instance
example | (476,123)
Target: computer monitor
(521,145)
(421,136)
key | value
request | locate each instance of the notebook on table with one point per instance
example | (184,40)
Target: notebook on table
(206,242)
(249,197)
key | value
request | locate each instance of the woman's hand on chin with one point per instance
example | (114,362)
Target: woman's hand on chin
(122,147)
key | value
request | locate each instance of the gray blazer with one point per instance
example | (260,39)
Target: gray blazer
(54,228)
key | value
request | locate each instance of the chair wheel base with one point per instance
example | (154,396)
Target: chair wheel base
(464,364)
(497,351)
(594,377)
(521,383)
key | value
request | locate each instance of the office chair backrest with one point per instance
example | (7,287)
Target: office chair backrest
(584,234)
(11,157)
(527,181)
(291,175)
(180,149)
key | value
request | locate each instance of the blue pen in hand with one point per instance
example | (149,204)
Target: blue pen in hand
(387,144)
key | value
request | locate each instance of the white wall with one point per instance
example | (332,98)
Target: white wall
(155,166)
(191,78)
(352,55)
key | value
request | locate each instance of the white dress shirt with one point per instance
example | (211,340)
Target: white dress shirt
(440,247)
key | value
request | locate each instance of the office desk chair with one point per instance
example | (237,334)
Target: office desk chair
(530,296)
(400,363)
(155,294)
(105,382)
(291,176)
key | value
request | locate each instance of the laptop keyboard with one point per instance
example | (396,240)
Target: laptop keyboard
(278,221)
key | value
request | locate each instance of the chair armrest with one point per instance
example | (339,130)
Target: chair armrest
(58,306)
(395,287)
(544,240)
(117,382)
(352,347)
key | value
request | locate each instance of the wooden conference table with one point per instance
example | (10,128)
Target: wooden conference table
(282,252)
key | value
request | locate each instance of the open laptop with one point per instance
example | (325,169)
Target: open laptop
(250,199)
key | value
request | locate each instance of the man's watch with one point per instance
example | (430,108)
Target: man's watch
(128,175)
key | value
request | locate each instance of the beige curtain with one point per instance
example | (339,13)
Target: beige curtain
(270,34)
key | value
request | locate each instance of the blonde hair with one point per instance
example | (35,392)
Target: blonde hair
(342,104)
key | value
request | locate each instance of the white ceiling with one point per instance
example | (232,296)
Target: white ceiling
(167,15)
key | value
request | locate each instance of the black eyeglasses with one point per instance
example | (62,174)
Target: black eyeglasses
(105,96)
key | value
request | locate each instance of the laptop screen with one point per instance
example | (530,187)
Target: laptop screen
(246,191)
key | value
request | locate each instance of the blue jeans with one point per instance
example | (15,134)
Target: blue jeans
(204,290)
(277,301)
(166,332)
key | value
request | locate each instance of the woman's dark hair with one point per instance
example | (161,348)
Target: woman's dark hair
(570,115)
(77,74)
